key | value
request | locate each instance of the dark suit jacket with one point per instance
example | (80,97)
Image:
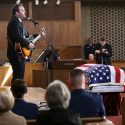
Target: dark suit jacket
(25,109)
(58,117)
(103,58)
(87,104)
(16,32)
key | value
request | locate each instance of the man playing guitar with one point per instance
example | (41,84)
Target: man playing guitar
(17,33)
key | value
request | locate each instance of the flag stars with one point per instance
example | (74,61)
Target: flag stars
(104,73)
(92,76)
(101,78)
(107,77)
(97,74)
(100,70)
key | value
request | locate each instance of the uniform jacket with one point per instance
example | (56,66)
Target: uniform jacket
(86,103)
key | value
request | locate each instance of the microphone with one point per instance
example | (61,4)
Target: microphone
(35,23)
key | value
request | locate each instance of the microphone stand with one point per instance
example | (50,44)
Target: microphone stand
(46,60)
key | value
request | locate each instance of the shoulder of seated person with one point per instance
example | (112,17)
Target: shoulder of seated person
(95,94)
(32,104)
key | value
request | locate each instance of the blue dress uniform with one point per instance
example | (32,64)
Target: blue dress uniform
(86,103)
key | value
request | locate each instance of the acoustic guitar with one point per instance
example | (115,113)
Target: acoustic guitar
(26,52)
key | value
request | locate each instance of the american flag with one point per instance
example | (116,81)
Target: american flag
(99,74)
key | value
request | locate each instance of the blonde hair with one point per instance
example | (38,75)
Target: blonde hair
(57,95)
(6,99)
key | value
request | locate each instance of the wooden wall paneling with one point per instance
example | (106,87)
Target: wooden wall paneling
(28,72)
(60,33)
(6,73)
(120,64)
(3,56)
(30,9)
(5,8)
(62,75)
(40,77)
(64,32)
(3,36)
(71,52)
(65,11)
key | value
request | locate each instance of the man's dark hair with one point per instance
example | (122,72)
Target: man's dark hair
(15,8)
(18,88)
(76,72)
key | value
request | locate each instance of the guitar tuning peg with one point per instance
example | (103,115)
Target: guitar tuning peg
(43,29)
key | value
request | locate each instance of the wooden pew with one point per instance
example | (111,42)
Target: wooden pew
(85,121)
(31,122)
(96,121)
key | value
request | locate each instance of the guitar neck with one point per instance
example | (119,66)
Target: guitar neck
(36,39)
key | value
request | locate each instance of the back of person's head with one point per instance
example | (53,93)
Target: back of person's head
(6,99)
(78,78)
(57,95)
(19,88)
(15,8)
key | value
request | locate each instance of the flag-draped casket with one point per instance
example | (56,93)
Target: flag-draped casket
(104,78)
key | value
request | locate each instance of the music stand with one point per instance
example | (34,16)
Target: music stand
(48,56)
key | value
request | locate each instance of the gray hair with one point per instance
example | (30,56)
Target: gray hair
(57,95)
(6,99)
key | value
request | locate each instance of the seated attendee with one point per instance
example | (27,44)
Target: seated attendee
(6,103)
(21,107)
(57,97)
(91,57)
(82,101)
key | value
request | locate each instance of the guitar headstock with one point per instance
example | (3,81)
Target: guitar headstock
(43,32)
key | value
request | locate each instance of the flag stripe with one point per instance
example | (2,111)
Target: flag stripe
(113,74)
(122,76)
(117,76)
